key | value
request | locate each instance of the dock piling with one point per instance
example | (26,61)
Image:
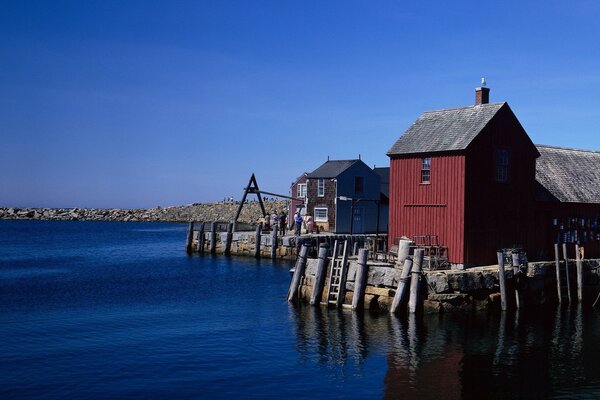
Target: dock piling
(274,243)
(516,262)
(315,297)
(190,238)
(557,262)
(415,280)
(201,239)
(579,273)
(400,296)
(257,241)
(213,238)
(502,280)
(229,239)
(568,278)
(360,282)
(298,274)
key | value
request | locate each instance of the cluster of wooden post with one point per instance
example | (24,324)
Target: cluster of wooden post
(566,272)
(411,272)
(189,244)
(360,282)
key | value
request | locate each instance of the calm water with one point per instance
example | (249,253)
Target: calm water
(117,310)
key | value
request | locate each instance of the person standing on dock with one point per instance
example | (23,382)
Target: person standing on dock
(309,223)
(298,224)
(282,223)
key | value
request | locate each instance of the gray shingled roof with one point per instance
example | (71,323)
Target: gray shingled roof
(331,169)
(569,175)
(445,130)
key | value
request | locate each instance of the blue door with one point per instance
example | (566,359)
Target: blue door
(357,220)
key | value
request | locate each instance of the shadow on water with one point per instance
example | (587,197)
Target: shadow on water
(548,353)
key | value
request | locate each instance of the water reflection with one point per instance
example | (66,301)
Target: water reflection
(521,354)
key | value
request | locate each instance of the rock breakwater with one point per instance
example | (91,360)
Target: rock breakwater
(218,211)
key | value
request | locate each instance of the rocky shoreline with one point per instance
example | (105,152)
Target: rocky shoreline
(219,211)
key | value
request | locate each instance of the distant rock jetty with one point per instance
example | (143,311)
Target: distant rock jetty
(219,211)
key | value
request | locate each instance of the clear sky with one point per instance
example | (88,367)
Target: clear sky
(146,103)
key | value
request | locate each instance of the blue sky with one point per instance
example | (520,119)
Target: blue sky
(146,103)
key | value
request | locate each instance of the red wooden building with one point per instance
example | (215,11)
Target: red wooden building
(465,175)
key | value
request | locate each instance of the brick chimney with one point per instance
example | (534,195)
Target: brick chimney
(482,94)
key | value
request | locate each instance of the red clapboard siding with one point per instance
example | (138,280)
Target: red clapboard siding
(436,208)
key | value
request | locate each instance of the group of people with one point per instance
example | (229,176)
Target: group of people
(279,221)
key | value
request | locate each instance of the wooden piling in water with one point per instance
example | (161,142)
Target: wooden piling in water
(190,238)
(315,297)
(257,241)
(360,281)
(557,262)
(400,296)
(415,280)
(213,238)
(201,239)
(579,273)
(516,262)
(298,274)
(502,280)
(567,272)
(274,243)
(228,239)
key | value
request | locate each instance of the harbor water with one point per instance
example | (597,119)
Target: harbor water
(118,310)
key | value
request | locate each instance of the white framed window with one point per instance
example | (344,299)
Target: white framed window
(301,190)
(320,214)
(321,187)
(425,170)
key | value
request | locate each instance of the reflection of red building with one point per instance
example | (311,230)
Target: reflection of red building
(298,194)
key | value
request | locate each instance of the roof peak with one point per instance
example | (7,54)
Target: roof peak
(501,103)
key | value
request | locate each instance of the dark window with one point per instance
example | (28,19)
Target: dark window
(425,170)
(502,165)
(320,187)
(358,184)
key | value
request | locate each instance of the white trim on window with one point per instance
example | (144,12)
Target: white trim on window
(301,191)
(321,214)
(320,187)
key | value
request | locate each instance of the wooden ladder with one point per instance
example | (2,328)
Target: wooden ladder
(338,271)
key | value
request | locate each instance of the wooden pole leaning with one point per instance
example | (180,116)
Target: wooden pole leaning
(502,280)
(557,262)
(298,274)
(201,238)
(257,236)
(568,278)
(213,238)
(229,239)
(190,238)
(579,265)
(315,297)
(401,292)
(360,282)
(415,280)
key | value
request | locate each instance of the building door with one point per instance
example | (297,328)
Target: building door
(357,220)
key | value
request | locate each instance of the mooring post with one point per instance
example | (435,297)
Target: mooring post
(315,297)
(229,239)
(567,272)
(415,280)
(298,274)
(502,280)
(201,238)
(400,296)
(213,238)
(557,262)
(257,240)
(516,262)
(190,238)
(274,242)
(360,282)
(579,273)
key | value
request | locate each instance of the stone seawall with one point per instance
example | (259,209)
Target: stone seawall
(474,289)
(219,211)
